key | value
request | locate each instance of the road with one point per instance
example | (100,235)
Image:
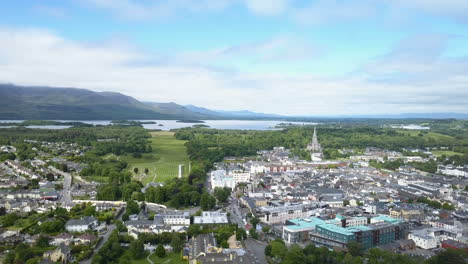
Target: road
(257,248)
(236,215)
(110,229)
(66,197)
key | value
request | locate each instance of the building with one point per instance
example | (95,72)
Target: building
(204,249)
(450,243)
(280,214)
(429,238)
(315,148)
(175,218)
(219,178)
(405,213)
(298,230)
(374,234)
(81,225)
(453,171)
(61,254)
(209,217)
(240,176)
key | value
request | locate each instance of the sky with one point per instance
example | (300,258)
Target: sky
(290,57)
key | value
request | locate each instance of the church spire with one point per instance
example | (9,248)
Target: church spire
(315,148)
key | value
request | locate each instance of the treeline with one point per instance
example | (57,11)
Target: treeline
(213,145)
(279,253)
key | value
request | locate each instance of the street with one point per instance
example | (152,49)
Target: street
(66,192)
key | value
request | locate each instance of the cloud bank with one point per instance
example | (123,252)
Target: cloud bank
(413,77)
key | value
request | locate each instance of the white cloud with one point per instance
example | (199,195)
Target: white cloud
(37,57)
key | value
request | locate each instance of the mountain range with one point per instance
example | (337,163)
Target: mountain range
(38,102)
(51,103)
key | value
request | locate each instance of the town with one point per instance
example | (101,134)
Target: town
(256,208)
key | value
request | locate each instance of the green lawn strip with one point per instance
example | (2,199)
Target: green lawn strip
(163,161)
(439,153)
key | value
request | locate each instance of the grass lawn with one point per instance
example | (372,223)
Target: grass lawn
(169,259)
(439,153)
(163,162)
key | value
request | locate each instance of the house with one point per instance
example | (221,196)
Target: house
(85,239)
(61,254)
(81,225)
(63,238)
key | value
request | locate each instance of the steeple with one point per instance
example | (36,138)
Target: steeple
(315,148)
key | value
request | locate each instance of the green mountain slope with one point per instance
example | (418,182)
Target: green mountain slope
(20,102)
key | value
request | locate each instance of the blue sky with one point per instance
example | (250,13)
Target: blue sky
(281,56)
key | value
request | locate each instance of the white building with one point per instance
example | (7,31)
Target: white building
(81,225)
(240,176)
(219,178)
(430,237)
(210,217)
(453,171)
(175,218)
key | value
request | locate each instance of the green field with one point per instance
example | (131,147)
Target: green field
(447,153)
(163,162)
(415,133)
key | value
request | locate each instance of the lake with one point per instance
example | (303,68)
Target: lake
(173,124)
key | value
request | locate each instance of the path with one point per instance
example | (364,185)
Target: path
(148,258)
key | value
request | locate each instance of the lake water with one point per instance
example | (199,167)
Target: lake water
(173,124)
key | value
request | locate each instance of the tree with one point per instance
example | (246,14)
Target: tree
(207,201)
(450,256)
(222,194)
(355,249)
(253,233)
(294,255)
(132,207)
(345,202)
(241,234)
(268,250)
(42,242)
(176,243)
(137,249)
(254,221)
(135,170)
(146,171)
(278,249)
(160,251)
(64,167)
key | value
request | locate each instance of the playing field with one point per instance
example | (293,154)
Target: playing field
(163,162)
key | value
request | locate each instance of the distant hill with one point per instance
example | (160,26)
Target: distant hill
(243,114)
(20,102)
(179,110)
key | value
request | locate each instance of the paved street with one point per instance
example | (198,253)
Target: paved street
(67,180)
(235,212)
(257,248)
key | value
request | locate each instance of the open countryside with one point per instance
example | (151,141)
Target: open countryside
(163,162)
